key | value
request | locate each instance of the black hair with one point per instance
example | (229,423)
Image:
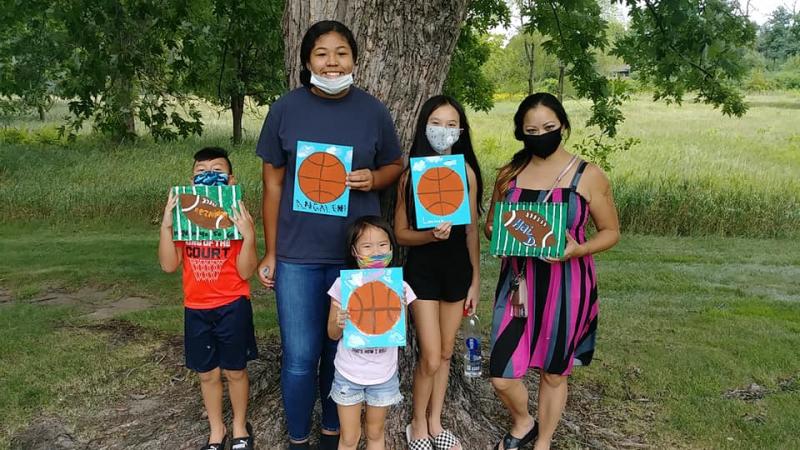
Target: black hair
(209,153)
(421,147)
(310,39)
(521,159)
(356,229)
(532,101)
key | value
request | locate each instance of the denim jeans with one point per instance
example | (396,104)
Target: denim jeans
(307,363)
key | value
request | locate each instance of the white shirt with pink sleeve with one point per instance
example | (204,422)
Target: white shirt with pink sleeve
(367,366)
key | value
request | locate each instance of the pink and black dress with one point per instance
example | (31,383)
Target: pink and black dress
(560,329)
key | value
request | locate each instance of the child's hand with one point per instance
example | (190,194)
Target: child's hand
(341,317)
(244,222)
(442,231)
(172,201)
(473,297)
(360,180)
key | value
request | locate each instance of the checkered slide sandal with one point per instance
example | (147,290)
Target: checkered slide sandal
(445,440)
(419,444)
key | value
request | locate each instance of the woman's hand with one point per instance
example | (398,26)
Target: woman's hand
(266,271)
(473,297)
(360,180)
(442,231)
(573,250)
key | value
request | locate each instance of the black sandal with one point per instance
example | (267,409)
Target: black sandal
(328,441)
(243,443)
(217,446)
(511,442)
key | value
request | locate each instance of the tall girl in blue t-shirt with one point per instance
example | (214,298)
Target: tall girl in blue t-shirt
(442,268)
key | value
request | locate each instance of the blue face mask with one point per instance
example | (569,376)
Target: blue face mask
(211,178)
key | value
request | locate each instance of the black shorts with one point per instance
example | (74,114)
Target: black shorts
(220,337)
(447,281)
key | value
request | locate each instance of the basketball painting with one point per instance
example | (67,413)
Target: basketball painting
(440,190)
(203,213)
(373,299)
(529,229)
(319,182)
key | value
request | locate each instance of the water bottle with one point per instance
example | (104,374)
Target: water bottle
(472,339)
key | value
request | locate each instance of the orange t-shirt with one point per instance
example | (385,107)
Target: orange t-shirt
(210,276)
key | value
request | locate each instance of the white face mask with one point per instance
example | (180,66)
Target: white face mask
(441,138)
(332,86)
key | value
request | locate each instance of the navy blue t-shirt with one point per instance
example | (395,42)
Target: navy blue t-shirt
(358,120)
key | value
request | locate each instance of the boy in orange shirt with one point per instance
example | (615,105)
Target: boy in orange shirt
(218,318)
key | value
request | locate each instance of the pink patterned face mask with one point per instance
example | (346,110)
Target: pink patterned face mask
(374,261)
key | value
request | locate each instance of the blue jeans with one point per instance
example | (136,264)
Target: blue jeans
(301,291)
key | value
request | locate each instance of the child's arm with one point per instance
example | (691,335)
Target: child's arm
(247,260)
(487,228)
(168,255)
(473,245)
(402,230)
(336,318)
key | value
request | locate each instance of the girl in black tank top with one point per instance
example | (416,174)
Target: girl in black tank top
(441,268)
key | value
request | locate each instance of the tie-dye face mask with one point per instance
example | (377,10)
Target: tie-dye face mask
(211,178)
(374,261)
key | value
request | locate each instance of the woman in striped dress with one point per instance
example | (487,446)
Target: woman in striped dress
(549,321)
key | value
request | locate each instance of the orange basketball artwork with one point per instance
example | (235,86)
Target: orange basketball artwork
(320,178)
(372,298)
(440,190)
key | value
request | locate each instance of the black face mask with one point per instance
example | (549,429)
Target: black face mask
(542,145)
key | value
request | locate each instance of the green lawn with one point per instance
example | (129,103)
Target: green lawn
(683,321)
(687,314)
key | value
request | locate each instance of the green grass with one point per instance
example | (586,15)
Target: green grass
(695,172)
(683,319)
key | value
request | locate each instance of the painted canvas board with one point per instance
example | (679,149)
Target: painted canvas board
(440,190)
(529,229)
(203,213)
(319,179)
(374,300)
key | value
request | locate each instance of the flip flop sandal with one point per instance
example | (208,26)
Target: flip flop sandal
(217,446)
(514,443)
(419,444)
(445,440)
(243,443)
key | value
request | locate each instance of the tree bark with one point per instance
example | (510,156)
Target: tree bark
(405,48)
(561,70)
(237,110)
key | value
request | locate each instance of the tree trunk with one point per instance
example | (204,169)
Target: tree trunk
(237,109)
(529,53)
(561,69)
(405,49)
(40,110)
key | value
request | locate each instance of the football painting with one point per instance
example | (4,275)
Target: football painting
(529,229)
(440,190)
(319,179)
(203,213)
(375,303)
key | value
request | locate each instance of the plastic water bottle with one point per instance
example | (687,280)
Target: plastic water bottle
(472,339)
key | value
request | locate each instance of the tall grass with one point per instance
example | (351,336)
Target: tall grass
(694,172)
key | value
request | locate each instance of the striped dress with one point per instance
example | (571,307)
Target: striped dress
(559,331)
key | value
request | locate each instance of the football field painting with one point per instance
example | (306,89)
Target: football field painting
(529,229)
(203,213)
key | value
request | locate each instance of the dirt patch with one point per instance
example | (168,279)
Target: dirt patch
(5,296)
(97,304)
(171,415)
(750,393)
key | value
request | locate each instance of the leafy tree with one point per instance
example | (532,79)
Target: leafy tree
(124,62)
(235,51)
(465,79)
(779,38)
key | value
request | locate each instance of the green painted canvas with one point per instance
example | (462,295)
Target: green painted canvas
(203,213)
(529,229)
